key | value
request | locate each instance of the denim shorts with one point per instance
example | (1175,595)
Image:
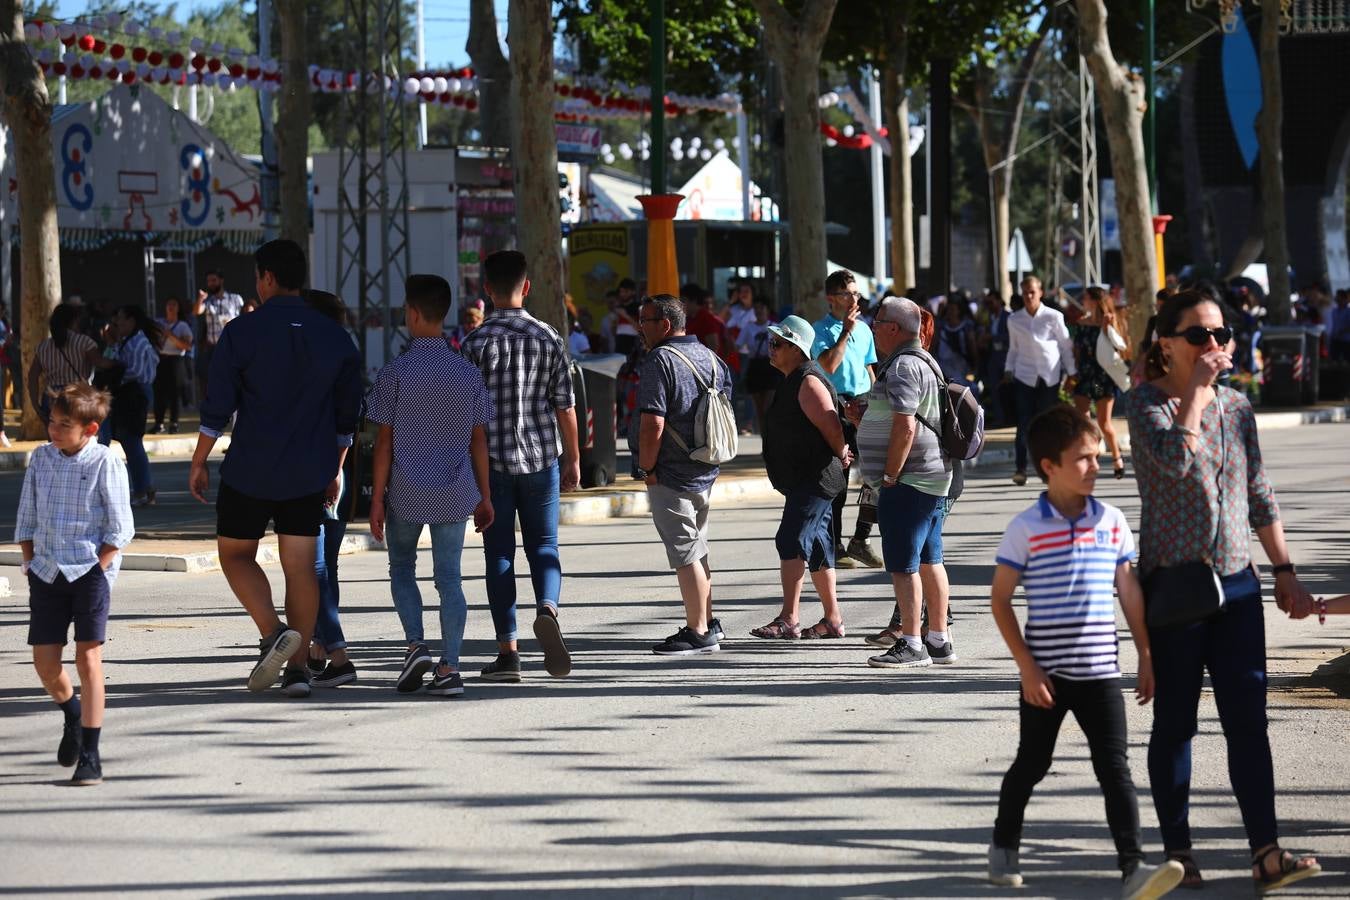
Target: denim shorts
(804,532)
(911,528)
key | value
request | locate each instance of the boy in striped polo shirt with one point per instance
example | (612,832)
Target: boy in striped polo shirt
(1068,551)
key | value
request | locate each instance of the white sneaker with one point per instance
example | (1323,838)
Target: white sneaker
(1004,868)
(1152,882)
(4,440)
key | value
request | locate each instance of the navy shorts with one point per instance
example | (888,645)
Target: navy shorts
(53,607)
(804,532)
(911,528)
(246,518)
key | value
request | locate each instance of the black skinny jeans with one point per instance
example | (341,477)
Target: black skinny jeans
(1100,710)
(167,393)
(1030,401)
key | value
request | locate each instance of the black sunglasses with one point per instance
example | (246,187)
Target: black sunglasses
(1198,335)
(775,343)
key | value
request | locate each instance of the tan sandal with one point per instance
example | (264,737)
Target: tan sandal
(779,629)
(823,630)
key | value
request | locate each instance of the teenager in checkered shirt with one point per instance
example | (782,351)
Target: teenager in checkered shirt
(532,444)
(74,518)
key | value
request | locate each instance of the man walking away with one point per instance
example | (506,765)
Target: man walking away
(292,378)
(216,307)
(1040,354)
(672,381)
(526,367)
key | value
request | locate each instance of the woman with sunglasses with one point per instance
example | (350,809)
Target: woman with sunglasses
(806,456)
(1202,485)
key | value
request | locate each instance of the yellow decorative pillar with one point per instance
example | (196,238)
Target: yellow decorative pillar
(663,275)
(1159,227)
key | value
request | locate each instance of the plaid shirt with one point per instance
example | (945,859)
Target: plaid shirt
(219,311)
(140,357)
(526,368)
(85,503)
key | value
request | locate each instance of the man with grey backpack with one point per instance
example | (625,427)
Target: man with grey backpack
(687,429)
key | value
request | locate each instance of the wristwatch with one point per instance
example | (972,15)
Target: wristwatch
(640,472)
(887,478)
(1282,568)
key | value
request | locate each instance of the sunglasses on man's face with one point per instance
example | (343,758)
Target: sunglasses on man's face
(1199,335)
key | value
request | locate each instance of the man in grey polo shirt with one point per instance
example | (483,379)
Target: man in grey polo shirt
(678,487)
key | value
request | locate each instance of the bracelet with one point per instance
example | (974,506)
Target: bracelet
(886,476)
(1189,432)
(1282,568)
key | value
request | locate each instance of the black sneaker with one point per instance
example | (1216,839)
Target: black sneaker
(295,683)
(335,676)
(505,668)
(72,739)
(902,656)
(715,629)
(416,665)
(316,666)
(275,650)
(942,656)
(448,685)
(687,642)
(89,771)
(557,661)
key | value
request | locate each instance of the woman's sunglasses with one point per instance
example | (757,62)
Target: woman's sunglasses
(1198,335)
(775,343)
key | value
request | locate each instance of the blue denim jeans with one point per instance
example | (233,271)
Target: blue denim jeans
(534,498)
(447,544)
(129,432)
(1231,645)
(327,629)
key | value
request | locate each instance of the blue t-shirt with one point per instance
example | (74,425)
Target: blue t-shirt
(1068,571)
(851,377)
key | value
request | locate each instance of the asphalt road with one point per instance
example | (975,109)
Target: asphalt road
(782,770)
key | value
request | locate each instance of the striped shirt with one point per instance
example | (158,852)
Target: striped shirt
(527,370)
(220,310)
(70,506)
(432,398)
(1068,571)
(140,357)
(69,364)
(905,385)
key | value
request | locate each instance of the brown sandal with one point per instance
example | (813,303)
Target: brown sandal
(823,630)
(778,630)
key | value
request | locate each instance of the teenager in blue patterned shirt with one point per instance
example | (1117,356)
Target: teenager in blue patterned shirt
(139,336)
(430,469)
(74,518)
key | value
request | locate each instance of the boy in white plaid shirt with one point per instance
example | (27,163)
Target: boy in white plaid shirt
(71,554)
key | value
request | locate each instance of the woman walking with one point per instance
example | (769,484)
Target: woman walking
(169,375)
(1103,373)
(1203,485)
(956,340)
(64,358)
(806,455)
(137,337)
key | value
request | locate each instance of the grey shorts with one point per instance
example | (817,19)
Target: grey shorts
(682,521)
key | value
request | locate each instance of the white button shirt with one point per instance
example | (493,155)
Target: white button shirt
(1039,346)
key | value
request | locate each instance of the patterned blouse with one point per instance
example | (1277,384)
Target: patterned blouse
(1182,489)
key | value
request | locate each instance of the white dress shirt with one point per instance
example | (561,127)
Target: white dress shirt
(1039,346)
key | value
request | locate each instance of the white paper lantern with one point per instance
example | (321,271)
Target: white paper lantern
(692,153)
(196,45)
(253,62)
(705,154)
(31,32)
(412,86)
(217,47)
(606,150)
(696,142)
(66,31)
(719,145)
(646,154)
(49,32)
(454,85)
(848,131)
(155,32)
(98,23)
(133,28)
(625,151)
(173,37)
(609,159)
(87,60)
(676,146)
(114,20)
(195,160)
(142,70)
(442,85)
(270,66)
(428,84)
(69,57)
(755,141)
(208,78)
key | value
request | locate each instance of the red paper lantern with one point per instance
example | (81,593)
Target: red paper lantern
(154,58)
(59,68)
(128,77)
(252,73)
(236,70)
(164,79)
(138,54)
(95,72)
(471,104)
(351,80)
(86,42)
(100,46)
(198,62)
(459,100)
(77,71)
(175,60)
(444,99)
(564,89)
(213,64)
(113,74)
(117,51)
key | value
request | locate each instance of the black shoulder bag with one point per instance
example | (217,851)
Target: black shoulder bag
(1189,592)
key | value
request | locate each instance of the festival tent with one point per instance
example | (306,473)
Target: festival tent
(141,189)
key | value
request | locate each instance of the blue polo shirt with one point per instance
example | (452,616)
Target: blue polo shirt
(851,377)
(293,377)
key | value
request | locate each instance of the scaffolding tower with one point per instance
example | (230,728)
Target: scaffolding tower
(373,169)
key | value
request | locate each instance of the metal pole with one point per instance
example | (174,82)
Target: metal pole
(270,188)
(659,148)
(61,90)
(421,67)
(192,102)
(743,138)
(879,180)
(940,145)
(1150,98)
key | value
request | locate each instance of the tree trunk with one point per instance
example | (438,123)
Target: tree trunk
(293,118)
(493,73)
(895,103)
(1121,96)
(1268,127)
(27,111)
(534,157)
(794,44)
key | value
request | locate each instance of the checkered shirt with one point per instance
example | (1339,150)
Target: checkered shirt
(85,502)
(140,357)
(432,398)
(219,311)
(525,365)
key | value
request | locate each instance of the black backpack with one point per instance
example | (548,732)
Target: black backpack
(961,431)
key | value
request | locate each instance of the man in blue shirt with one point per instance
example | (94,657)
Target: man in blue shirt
(292,377)
(845,350)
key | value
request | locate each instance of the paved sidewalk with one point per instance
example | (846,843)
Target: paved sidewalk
(771,770)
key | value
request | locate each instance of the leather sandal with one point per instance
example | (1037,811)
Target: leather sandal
(778,630)
(823,630)
(1292,869)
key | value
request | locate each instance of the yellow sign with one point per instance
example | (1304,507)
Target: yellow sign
(597,262)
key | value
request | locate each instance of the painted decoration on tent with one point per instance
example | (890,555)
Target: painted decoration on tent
(129,161)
